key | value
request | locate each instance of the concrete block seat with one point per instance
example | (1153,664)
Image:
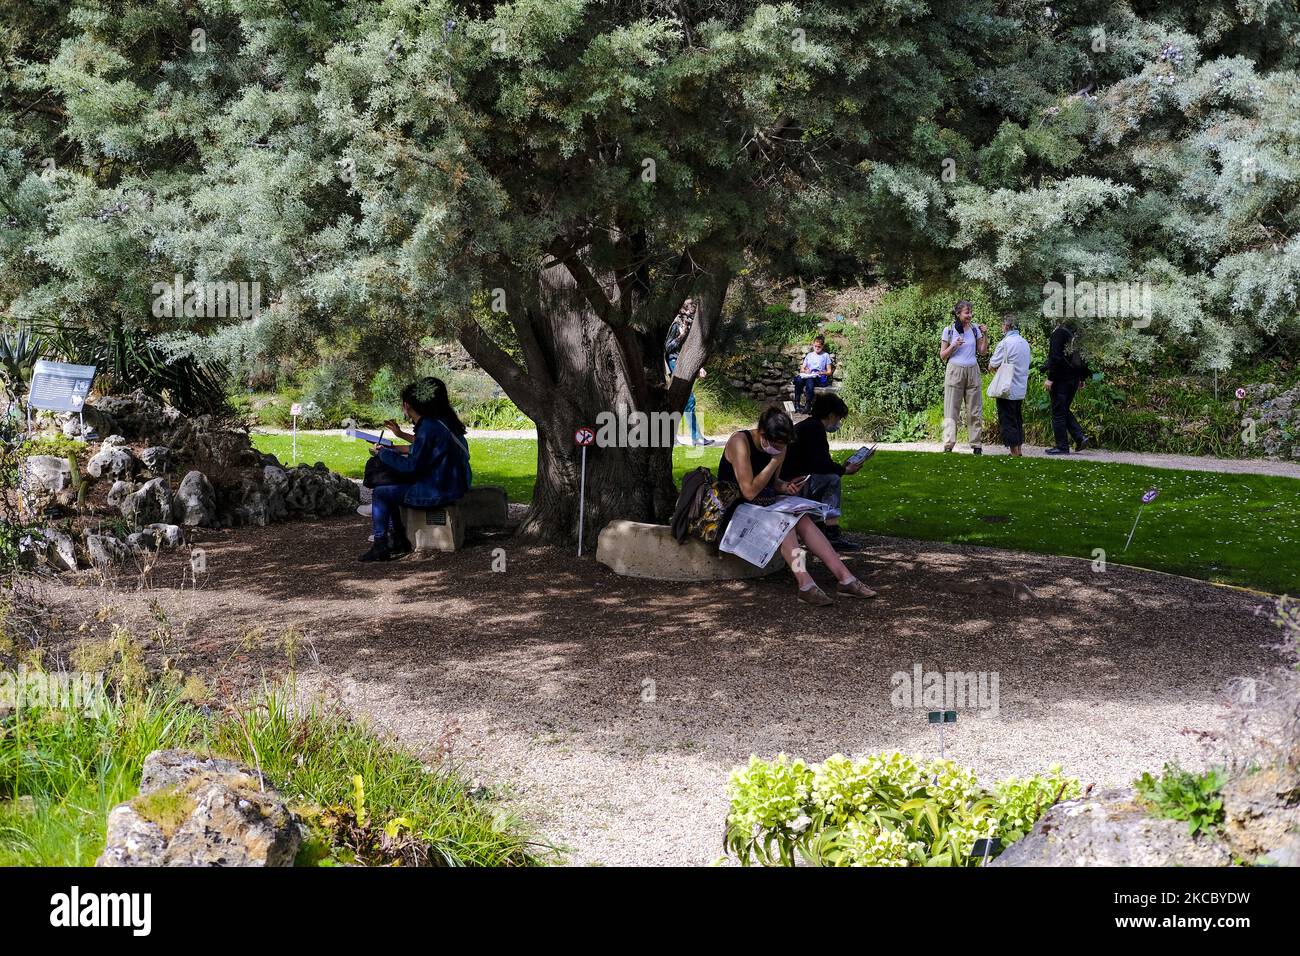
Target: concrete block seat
(443,529)
(640,550)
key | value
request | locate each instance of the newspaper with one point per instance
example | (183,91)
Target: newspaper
(755,532)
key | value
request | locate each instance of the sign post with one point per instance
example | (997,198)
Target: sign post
(1147,498)
(59,387)
(295,410)
(582,438)
(942,717)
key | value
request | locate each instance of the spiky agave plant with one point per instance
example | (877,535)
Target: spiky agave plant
(19,350)
(128,360)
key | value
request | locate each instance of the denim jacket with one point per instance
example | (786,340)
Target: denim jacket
(438,462)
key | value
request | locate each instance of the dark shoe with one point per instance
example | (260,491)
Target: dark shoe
(1058,451)
(977,450)
(379,551)
(1083,443)
(400,548)
(947,447)
(706,441)
(844,545)
(814,596)
(855,588)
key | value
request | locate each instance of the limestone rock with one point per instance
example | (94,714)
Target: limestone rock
(48,473)
(641,550)
(1261,811)
(119,491)
(112,461)
(242,505)
(105,551)
(62,553)
(137,416)
(150,504)
(195,501)
(168,535)
(1110,829)
(157,460)
(196,811)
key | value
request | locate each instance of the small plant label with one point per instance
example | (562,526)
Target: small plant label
(1149,496)
(583,437)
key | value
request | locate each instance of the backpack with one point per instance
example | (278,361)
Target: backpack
(1074,354)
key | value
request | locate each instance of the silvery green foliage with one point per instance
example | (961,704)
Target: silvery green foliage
(379,167)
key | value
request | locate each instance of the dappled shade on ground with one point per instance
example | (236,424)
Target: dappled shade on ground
(611,709)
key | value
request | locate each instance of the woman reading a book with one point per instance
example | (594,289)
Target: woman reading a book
(751,463)
(434,469)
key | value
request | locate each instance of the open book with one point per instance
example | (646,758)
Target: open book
(367,436)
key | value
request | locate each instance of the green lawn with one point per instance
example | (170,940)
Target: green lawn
(1237,529)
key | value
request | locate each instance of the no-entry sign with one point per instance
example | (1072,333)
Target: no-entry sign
(584,436)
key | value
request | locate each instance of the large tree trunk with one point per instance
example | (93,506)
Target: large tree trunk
(584,357)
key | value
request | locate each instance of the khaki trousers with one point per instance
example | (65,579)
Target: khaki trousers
(963,386)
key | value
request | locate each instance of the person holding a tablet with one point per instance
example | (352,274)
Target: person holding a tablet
(810,456)
(434,469)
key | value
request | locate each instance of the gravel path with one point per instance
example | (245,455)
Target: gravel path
(608,711)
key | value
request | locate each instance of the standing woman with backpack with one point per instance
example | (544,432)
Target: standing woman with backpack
(961,345)
(1066,371)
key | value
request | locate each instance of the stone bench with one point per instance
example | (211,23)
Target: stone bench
(443,529)
(640,550)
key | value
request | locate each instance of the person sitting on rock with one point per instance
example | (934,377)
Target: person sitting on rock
(751,463)
(434,467)
(810,457)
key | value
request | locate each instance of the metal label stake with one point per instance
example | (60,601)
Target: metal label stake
(582,438)
(1147,498)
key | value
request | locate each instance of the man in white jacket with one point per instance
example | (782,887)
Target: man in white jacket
(1013,351)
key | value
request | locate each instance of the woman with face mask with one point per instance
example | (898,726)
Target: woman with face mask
(752,462)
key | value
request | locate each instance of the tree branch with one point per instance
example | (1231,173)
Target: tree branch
(505,370)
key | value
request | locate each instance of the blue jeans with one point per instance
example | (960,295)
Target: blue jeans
(802,385)
(692,422)
(826,489)
(386,508)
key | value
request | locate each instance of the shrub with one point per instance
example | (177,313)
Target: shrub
(779,325)
(892,369)
(884,810)
(329,394)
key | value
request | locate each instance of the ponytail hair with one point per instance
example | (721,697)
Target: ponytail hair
(428,396)
(956,313)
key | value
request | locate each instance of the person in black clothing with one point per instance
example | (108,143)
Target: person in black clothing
(810,455)
(1066,373)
